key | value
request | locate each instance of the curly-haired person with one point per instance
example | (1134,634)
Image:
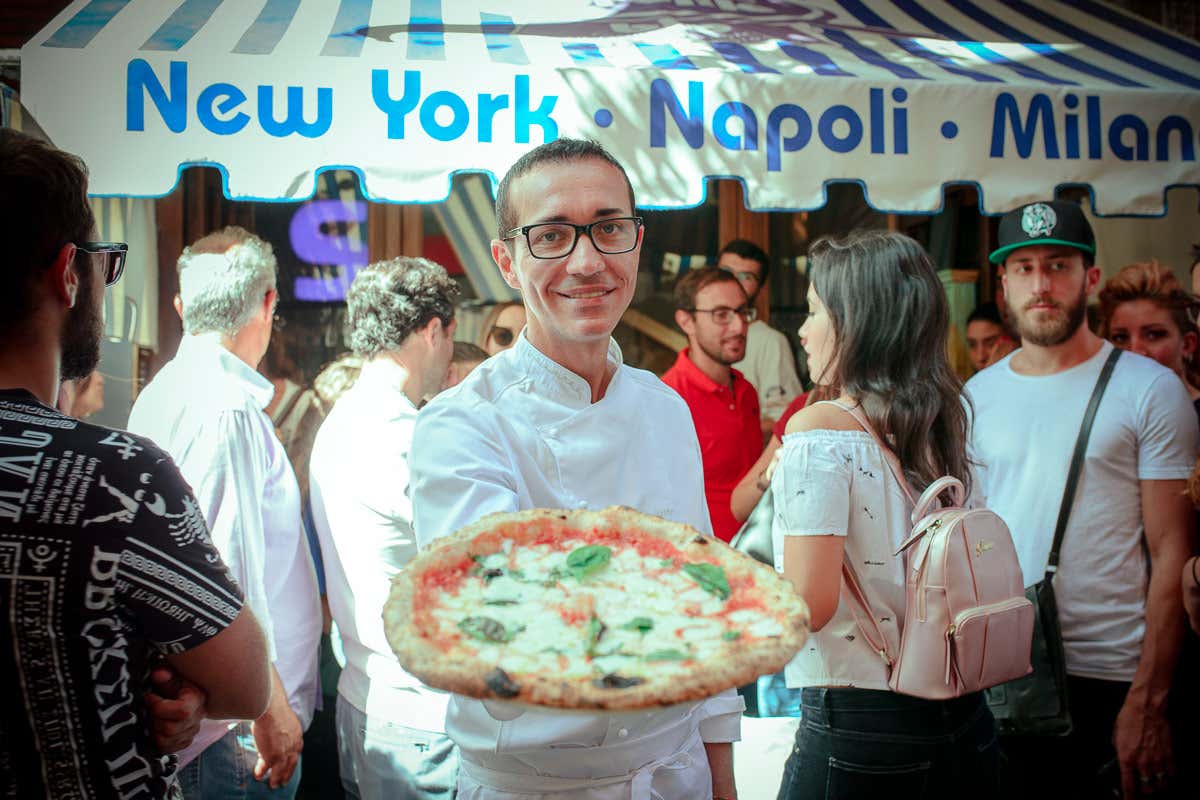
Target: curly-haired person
(391,736)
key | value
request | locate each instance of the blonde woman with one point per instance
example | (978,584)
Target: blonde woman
(1145,310)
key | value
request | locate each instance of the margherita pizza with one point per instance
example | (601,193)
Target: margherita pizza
(609,609)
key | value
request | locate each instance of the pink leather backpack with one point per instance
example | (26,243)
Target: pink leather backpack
(967,622)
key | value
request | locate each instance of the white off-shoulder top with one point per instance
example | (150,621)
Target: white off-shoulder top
(834,482)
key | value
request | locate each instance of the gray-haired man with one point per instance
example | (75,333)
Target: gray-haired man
(205,408)
(391,729)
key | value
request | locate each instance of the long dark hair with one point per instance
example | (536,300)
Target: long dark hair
(891,324)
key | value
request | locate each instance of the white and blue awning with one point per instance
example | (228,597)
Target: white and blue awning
(905,97)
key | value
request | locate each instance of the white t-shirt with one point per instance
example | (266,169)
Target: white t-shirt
(1024,434)
(770,367)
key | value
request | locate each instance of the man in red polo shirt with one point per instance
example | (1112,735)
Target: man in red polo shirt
(713,311)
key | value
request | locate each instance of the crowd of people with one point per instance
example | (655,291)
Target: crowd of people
(187,598)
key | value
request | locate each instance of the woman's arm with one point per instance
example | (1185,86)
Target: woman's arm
(754,483)
(814,566)
(813,563)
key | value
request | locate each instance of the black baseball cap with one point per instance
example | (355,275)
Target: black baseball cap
(1056,222)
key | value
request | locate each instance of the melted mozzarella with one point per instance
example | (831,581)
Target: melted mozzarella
(550,624)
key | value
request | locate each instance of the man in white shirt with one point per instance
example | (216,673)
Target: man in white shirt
(769,363)
(1131,526)
(558,421)
(391,727)
(205,408)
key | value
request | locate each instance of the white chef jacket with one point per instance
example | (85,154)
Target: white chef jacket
(358,481)
(205,408)
(770,367)
(521,432)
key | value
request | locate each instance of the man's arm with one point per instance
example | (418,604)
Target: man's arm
(231,668)
(176,707)
(278,737)
(230,494)
(1142,736)
(216,656)
(233,488)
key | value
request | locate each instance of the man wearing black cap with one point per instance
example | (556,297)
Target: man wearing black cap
(1129,519)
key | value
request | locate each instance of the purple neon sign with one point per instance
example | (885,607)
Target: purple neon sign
(315,240)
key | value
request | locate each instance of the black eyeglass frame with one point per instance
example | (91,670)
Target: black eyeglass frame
(96,248)
(747,313)
(579,229)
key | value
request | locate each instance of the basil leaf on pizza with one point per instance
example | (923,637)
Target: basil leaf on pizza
(583,561)
(609,609)
(488,629)
(710,577)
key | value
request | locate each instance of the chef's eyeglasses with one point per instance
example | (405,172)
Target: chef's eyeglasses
(558,239)
(114,254)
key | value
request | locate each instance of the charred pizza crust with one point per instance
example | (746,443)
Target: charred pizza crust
(769,621)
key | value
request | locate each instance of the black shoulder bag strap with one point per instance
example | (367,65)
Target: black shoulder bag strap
(1081,443)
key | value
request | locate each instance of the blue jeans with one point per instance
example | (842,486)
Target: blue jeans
(862,743)
(225,771)
(381,760)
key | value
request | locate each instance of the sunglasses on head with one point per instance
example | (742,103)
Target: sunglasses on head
(114,254)
(502,336)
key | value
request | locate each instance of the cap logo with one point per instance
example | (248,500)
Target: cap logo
(1038,220)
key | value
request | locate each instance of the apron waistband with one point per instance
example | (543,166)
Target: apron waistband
(670,749)
(640,780)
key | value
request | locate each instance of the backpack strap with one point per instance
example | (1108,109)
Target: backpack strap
(929,498)
(1085,430)
(879,641)
(892,461)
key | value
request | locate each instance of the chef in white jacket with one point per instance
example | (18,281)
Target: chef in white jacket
(558,421)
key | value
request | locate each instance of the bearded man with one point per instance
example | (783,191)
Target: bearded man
(712,309)
(107,571)
(1130,519)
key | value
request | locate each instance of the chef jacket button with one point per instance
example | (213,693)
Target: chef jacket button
(623,732)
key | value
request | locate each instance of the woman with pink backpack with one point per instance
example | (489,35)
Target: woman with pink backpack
(852,538)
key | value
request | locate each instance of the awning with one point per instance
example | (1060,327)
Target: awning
(468,218)
(905,97)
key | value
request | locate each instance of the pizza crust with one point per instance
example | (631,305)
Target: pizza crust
(452,667)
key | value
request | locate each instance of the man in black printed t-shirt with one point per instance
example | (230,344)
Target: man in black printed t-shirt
(106,566)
